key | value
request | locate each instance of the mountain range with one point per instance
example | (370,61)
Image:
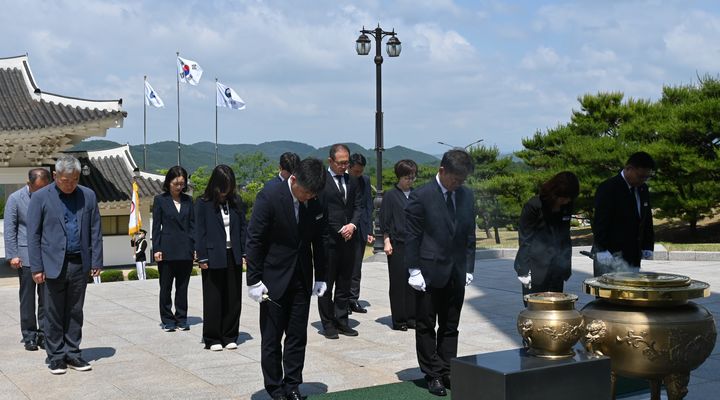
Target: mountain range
(162,155)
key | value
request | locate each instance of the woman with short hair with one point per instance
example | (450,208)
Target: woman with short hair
(172,241)
(392,226)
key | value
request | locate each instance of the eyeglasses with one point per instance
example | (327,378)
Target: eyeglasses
(178,184)
(346,162)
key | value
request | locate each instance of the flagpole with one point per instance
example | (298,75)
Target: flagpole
(145,126)
(177,77)
(216,124)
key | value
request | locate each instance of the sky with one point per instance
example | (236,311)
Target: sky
(493,70)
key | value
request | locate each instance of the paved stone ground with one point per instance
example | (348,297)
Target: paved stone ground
(133,359)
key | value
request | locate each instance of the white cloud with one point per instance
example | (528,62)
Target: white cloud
(442,46)
(694,43)
(543,58)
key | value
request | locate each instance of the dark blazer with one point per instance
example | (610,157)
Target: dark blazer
(277,245)
(443,249)
(544,239)
(46,236)
(366,222)
(340,213)
(210,238)
(392,215)
(617,226)
(172,231)
(274,180)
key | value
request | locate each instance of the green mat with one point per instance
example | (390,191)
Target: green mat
(417,389)
(409,390)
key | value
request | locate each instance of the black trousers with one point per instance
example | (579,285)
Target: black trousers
(290,318)
(222,303)
(178,271)
(30,326)
(434,348)
(333,305)
(357,268)
(64,300)
(402,295)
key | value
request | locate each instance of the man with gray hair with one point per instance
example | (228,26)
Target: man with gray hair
(65,245)
(16,251)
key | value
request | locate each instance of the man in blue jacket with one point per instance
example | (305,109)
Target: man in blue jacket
(65,245)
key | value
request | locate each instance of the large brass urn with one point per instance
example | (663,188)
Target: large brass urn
(646,324)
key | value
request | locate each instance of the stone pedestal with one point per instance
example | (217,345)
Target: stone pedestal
(515,375)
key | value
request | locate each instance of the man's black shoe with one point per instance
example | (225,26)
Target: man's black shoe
(436,387)
(411,324)
(294,395)
(356,307)
(78,364)
(57,367)
(331,334)
(400,327)
(41,340)
(446,381)
(31,345)
(347,331)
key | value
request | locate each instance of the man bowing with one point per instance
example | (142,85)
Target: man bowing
(285,245)
(64,244)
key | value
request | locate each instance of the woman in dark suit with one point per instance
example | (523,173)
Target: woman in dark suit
(172,240)
(543,259)
(220,246)
(392,225)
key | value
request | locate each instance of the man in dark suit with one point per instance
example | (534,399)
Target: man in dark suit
(16,252)
(344,208)
(440,257)
(65,244)
(364,231)
(623,227)
(288,162)
(285,245)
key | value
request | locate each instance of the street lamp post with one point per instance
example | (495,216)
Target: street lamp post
(458,147)
(363,45)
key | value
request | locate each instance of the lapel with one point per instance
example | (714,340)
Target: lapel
(80,203)
(289,208)
(54,195)
(335,183)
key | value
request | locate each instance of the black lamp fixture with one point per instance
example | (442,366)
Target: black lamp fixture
(363,45)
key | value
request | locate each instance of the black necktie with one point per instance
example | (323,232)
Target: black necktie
(340,185)
(450,205)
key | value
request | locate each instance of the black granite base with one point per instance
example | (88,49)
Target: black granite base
(515,375)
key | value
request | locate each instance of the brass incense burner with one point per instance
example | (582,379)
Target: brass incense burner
(646,324)
(550,325)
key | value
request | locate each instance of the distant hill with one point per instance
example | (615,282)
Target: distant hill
(162,155)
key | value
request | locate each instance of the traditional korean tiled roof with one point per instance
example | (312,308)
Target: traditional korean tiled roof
(110,174)
(23,106)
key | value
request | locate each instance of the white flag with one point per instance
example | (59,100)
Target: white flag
(152,98)
(189,71)
(226,97)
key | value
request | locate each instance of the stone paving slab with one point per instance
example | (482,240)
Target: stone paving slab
(133,358)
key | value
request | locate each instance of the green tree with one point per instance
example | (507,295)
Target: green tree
(199,181)
(251,173)
(687,152)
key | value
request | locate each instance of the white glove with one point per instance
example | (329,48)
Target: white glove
(604,257)
(257,291)
(526,280)
(468,279)
(416,279)
(647,254)
(319,288)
